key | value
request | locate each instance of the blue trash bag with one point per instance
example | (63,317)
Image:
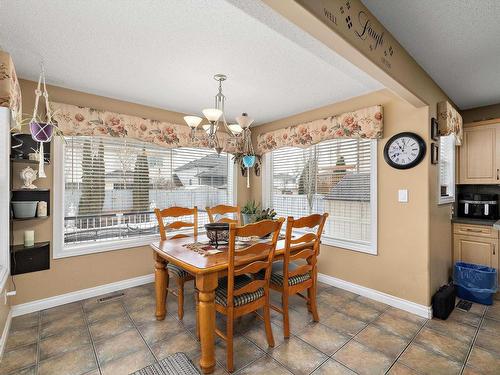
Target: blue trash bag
(475,282)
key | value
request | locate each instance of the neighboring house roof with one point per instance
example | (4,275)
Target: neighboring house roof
(352,187)
(212,161)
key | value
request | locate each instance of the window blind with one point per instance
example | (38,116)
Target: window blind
(447,166)
(334,176)
(112,185)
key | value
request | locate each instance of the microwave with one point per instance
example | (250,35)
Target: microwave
(478,206)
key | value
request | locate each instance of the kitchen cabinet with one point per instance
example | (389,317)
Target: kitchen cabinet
(476,244)
(479,155)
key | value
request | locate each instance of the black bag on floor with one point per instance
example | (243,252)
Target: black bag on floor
(443,302)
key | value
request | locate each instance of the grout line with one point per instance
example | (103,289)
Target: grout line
(473,342)
(39,338)
(87,325)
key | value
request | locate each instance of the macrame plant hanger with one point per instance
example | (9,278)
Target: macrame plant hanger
(41,132)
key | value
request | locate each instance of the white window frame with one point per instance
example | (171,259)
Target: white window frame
(372,247)
(6,123)
(451,197)
(59,250)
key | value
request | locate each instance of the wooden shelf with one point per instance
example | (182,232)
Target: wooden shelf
(29,190)
(13,219)
(27,161)
(21,247)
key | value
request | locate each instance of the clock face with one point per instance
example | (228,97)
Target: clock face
(404,150)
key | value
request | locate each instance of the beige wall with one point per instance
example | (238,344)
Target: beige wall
(401,266)
(481,113)
(75,273)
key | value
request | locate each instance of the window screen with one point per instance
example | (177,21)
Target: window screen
(112,185)
(333,176)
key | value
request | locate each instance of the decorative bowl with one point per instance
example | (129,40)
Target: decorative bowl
(217,233)
(24,209)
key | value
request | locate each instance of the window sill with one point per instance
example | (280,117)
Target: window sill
(346,245)
(446,200)
(101,247)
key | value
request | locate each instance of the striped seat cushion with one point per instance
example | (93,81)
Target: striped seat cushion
(242,299)
(277,275)
(177,271)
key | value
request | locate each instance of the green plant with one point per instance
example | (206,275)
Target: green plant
(251,208)
(266,214)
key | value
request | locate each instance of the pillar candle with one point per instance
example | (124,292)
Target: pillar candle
(29,238)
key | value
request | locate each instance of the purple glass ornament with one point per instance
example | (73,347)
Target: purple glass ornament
(41,132)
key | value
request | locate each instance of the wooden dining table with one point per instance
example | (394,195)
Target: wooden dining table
(207,269)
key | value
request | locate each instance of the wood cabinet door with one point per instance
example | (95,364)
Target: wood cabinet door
(478,156)
(477,250)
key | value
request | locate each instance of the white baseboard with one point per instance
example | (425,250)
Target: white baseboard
(46,303)
(412,307)
(5,333)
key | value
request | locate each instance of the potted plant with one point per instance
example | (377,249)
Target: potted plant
(250,212)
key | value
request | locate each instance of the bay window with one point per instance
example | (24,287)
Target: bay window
(336,176)
(107,189)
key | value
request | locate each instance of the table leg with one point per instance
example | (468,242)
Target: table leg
(161,284)
(206,284)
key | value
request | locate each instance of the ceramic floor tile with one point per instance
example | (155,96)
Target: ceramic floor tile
(405,315)
(471,371)
(381,340)
(465,317)
(145,315)
(298,356)
(119,346)
(265,365)
(477,309)
(138,302)
(442,344)
(488,340)
(397,325)
(323,338)
(21,337)
(160,330)
(129,363)
(63,342)
(344,323)
(427,362)
(372,303)
(18,359)
(26,371)
(60,311)
(179,342)
(491,326)
(80,361)
(459,331)
(24,321)
(257,334)
(493,311)
(400,369)
(362,359)
(104,311)
(334,299)
(298,320)
(360,311)
(244,351)
(332,367)
(69,321)
(484,361)
(141,290)
(110,327)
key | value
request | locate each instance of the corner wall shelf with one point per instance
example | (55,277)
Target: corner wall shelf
(29,259)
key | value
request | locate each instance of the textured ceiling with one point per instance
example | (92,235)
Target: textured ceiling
(164,54)
(456,41)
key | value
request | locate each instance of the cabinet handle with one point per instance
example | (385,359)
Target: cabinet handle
(494,252)
(498,173)
(473,230)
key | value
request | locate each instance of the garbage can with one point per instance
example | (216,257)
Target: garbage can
(475,282)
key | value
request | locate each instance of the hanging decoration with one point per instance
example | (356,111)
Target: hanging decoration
(248,155)
(41,132)
(450,122)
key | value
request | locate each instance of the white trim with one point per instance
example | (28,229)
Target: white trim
(374,197)
(58,250)
(412,307)
(6,123)
(5,333)
(46,303)
(450,198)
(266,188)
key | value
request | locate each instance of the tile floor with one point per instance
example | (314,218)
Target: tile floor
(356,336)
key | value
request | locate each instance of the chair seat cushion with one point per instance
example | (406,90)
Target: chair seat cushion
(277,274)
(242,299)
(177,271)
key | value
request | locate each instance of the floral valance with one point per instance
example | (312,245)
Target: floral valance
(450,121)
(10,91)
(363,123)
(75,120)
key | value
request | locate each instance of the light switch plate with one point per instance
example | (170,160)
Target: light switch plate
(403,195)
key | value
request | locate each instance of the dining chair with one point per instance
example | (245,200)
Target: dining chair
(221,210)
(239,293)
(298,272)
(181,276)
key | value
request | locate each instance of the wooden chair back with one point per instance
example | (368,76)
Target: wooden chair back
(239,263)
(222,209)
(310,241)
(174,212)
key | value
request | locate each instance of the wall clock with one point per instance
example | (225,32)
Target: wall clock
(404,150)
